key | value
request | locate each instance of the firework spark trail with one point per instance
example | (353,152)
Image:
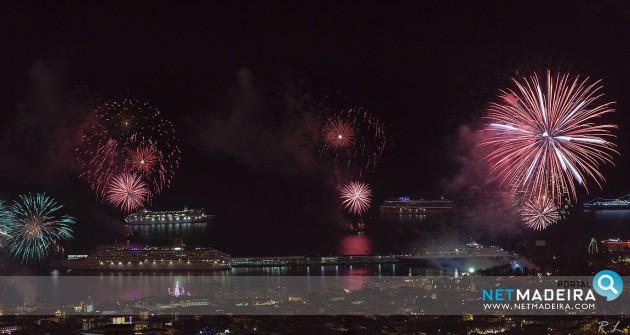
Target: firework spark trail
(540,213)
(356,197)
(35,228)
(354,139)
(100,164)
(545,134)
(128,192)
(128,136)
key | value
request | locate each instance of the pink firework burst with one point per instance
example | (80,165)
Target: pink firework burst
(127,192)
(356,197)
(545,137)
(540,213)
(338,134)
(128,136)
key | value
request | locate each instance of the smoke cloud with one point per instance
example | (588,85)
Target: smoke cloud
(488,208)
(262,131)
(39,142)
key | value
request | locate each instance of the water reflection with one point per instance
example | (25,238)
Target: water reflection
(192,232)
(612,215)
(403,218)
(356,244)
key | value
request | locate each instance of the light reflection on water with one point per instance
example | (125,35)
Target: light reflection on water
(356,244)
(610,215)
(165,232)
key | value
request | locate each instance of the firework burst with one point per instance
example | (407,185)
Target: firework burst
(128,137)
(543,137)
(5,220)
(144,159)
(354,139)
(540,213)
(127,191)
(338,134)
(35,229)
(356,197)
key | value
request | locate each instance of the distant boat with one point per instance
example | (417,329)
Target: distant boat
(406,205)
(146,216)
(601,203)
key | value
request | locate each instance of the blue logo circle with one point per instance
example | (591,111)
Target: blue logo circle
(608,283)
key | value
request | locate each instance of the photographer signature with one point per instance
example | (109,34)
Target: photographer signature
(605,327)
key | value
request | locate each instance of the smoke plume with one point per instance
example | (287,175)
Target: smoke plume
(487,207)
(263,131)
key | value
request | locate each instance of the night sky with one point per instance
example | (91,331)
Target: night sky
(221,71)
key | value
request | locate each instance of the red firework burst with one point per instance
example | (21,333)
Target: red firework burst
(355,139)
(338,134)
(127,192)
(356,197)
(543,137)
(144,159)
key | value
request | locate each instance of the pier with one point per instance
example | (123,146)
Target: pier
(240,262)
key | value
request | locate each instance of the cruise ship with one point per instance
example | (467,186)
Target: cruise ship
(149,258)
(601,203)
(470,250)
(406,205)
(146,216)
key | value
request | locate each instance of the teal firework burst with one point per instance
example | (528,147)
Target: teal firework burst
(5,219)
(35,228)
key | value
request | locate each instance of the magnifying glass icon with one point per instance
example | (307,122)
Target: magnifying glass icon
(610,286)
